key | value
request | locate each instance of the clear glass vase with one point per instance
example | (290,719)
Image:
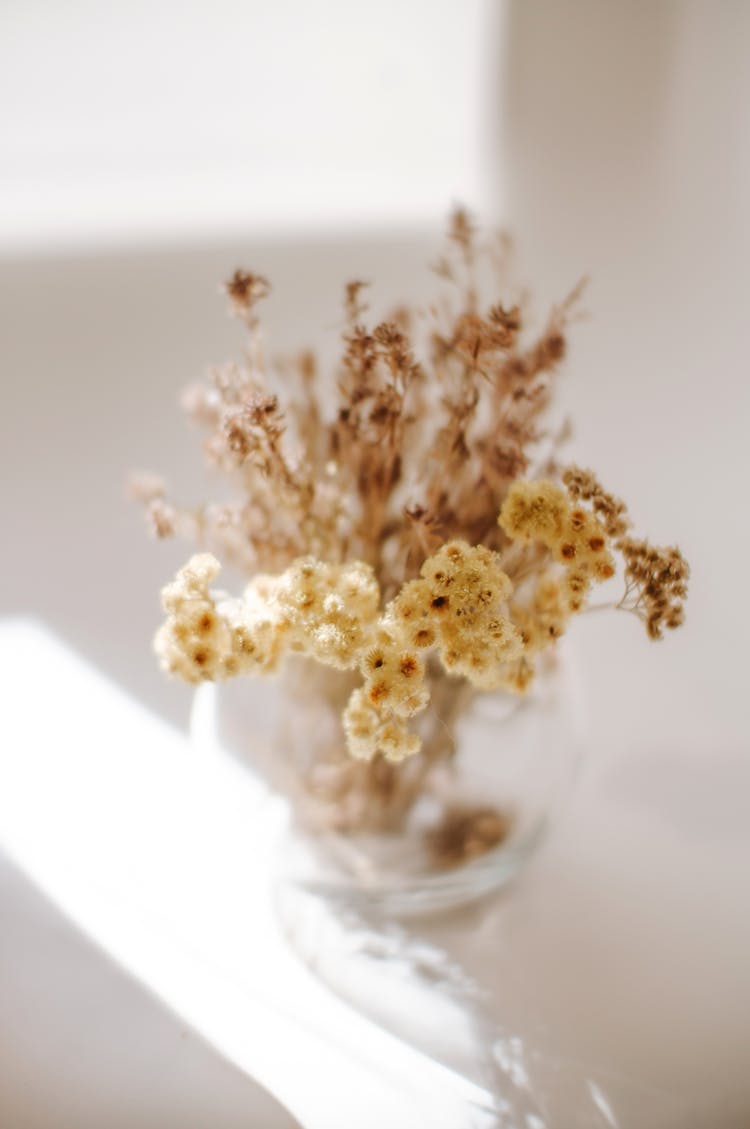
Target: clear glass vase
(439,830)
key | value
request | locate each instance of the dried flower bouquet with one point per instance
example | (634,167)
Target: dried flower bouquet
(421,541)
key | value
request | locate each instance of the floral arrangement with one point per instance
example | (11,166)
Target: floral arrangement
(420,539)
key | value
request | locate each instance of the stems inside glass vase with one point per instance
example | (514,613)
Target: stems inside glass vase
(336,792)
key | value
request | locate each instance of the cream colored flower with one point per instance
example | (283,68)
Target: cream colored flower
(541,511)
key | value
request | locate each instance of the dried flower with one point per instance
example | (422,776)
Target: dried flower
(402,536)
(245,290)
(656,584)
(332,613)
(576,539)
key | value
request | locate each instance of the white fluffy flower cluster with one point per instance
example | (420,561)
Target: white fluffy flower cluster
(331,613)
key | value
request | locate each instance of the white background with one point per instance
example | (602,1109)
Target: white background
(175,120)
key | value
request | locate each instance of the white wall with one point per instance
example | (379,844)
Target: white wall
(169,120)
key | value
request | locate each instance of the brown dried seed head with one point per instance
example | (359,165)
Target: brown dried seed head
(245,288)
